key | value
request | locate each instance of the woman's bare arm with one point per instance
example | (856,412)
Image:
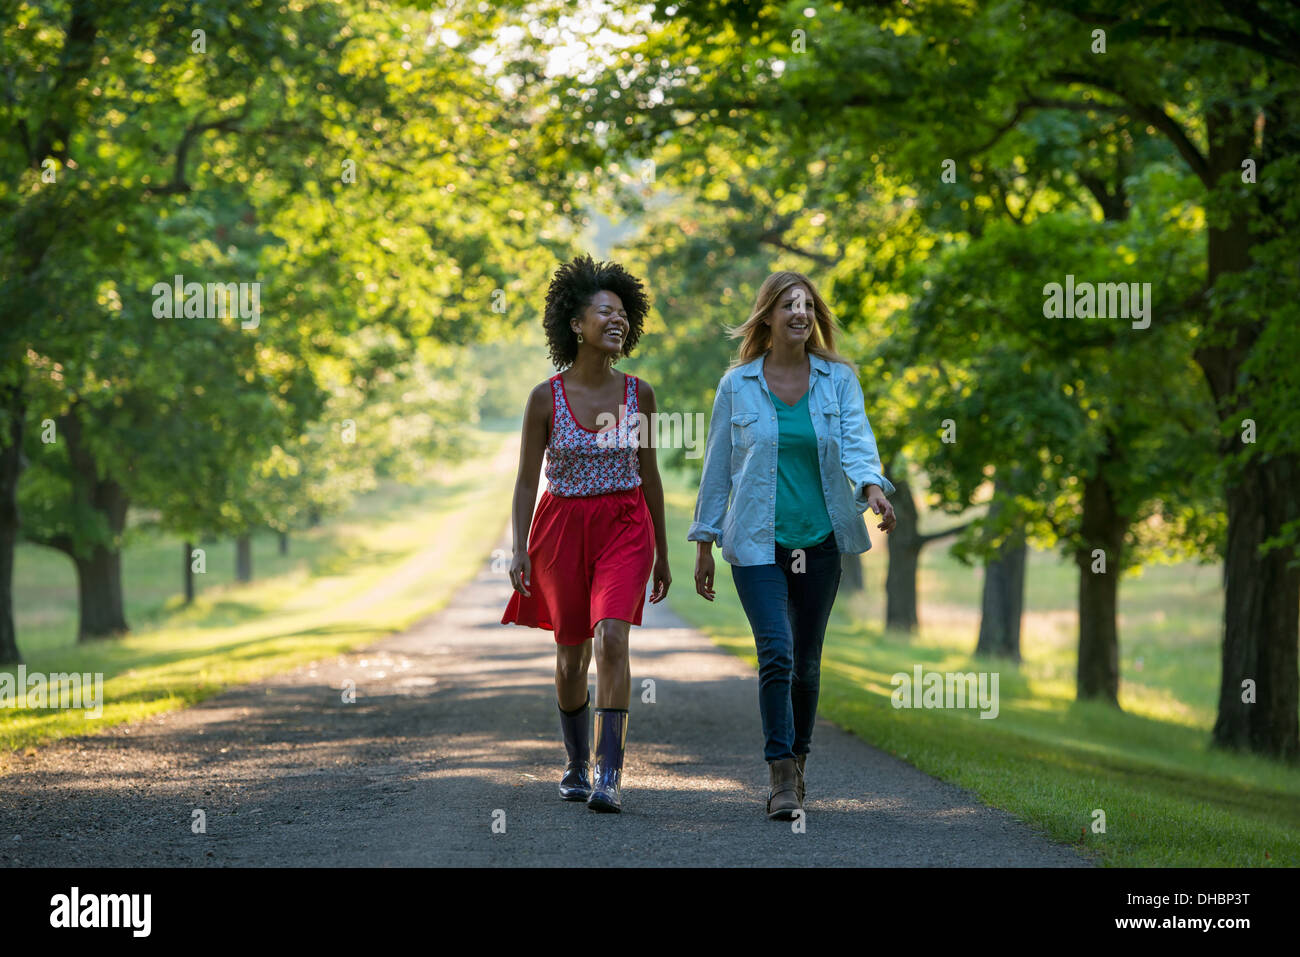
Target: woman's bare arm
(532,445)
(653,489)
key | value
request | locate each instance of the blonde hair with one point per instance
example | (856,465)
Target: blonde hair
(756,335)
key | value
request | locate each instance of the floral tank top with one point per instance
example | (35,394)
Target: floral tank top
(580,462)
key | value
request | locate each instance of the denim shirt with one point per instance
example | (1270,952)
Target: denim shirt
(736,506)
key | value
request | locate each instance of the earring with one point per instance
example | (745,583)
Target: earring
(580,337)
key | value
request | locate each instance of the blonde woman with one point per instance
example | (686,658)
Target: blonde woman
(789,468)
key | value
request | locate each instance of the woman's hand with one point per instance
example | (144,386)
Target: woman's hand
(521,573)
(704,572)
(662,579)
(880,505)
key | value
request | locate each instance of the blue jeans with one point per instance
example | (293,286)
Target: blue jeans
(787,612)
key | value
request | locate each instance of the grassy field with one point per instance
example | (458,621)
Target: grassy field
(393,558)
(1167,797)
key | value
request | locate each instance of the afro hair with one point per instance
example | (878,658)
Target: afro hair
(571,291)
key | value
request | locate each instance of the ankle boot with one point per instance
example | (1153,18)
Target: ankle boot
(611,742)
(575,785)
(798,768)
(783,797)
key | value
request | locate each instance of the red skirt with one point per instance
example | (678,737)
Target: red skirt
(591,558)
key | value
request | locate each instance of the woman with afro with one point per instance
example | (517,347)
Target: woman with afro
(598,532)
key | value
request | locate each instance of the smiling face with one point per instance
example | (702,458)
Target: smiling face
(603,323)
(793,315)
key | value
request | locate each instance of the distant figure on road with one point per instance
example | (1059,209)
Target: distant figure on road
(581,570)
(790,445)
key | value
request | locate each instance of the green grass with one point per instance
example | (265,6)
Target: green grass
(395,557)
(1168,798)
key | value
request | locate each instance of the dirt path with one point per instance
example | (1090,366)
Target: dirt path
(453,727)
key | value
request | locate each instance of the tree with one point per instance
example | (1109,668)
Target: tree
(337,178)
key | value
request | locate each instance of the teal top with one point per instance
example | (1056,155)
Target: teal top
(801,517)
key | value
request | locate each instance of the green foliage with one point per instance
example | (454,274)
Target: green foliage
(359,164)
(937,166)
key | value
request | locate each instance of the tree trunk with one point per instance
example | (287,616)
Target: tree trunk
(99,569)
(189,572)
(1261,594)
(1003,601)
(1097,674)
(11,465)
(1103,528)
(99,587)
(851,579)
(905,543)
(313,517)
(284,543)
(244,558)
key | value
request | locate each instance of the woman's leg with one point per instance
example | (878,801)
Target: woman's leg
(613,684)
(613,669)
(763,594)
(571,663)
(812,593)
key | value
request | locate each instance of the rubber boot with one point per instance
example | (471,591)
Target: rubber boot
(575,785)
(611,742)
(783,797)
(798,767)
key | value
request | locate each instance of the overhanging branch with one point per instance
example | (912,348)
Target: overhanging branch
(931,536)
(1151,114)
